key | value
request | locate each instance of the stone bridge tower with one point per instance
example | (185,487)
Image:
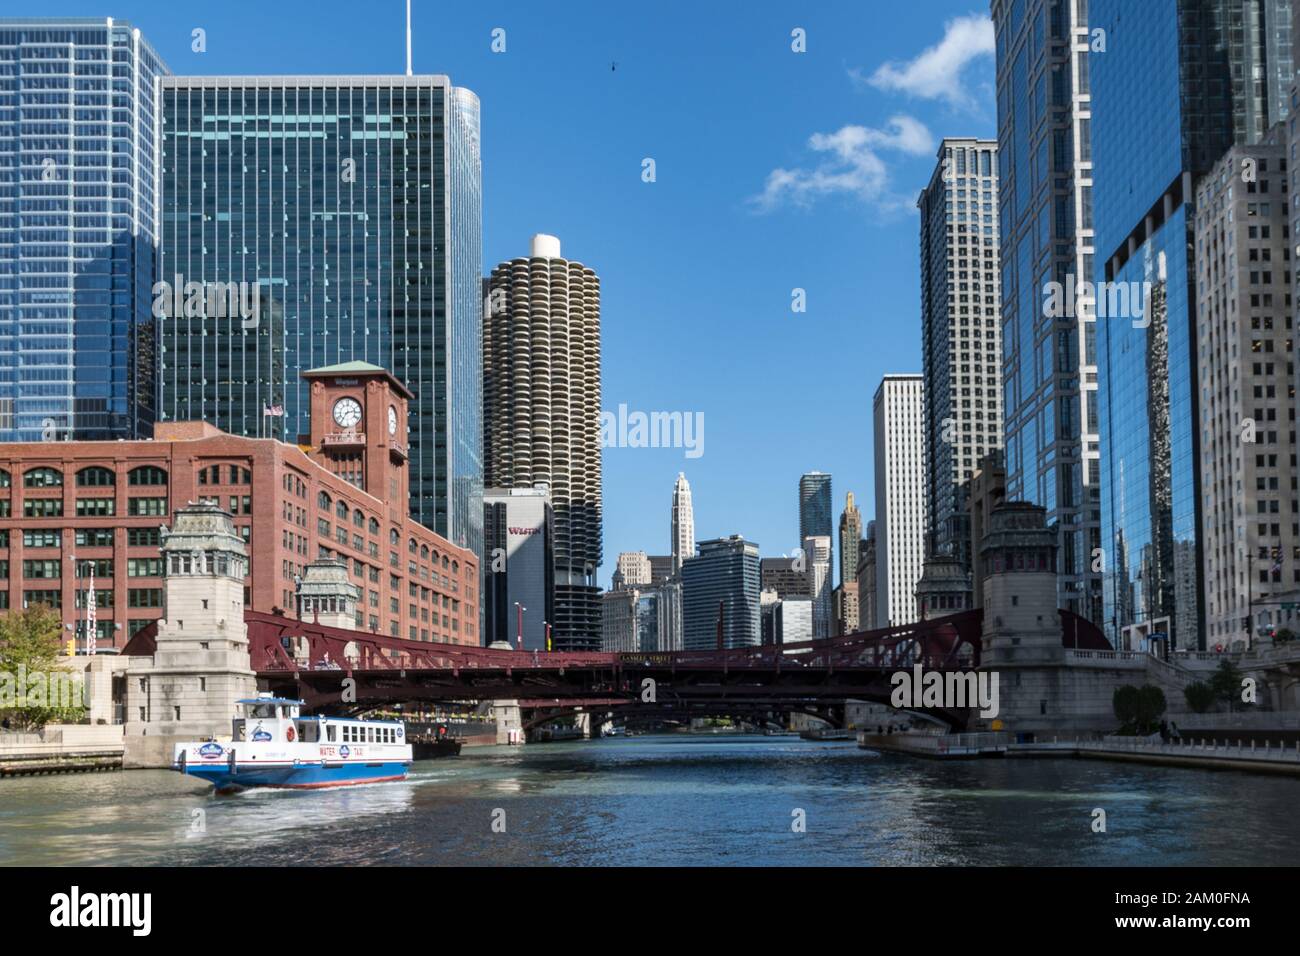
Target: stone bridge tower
(188,688)
(944,587)
(326,595)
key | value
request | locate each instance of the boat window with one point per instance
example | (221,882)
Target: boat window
(329,730)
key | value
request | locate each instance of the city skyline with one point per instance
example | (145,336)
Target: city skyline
(817,232)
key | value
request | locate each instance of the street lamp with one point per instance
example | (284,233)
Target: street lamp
(519,630)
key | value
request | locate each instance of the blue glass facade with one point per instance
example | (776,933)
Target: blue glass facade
(349,208)
(723,577)
(1205,79)
(77,229)
(1049,373)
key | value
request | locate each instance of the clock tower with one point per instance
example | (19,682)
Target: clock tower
(358,429)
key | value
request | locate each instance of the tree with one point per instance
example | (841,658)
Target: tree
(1151,704)
(1200,696)
(1283,635)
(35,687)
(1226,683)
(1126,706)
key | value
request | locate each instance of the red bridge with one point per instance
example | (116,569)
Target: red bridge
(312,661)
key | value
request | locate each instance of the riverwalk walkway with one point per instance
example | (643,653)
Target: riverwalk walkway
(1242,754)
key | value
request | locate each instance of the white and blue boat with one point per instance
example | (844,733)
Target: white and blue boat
(273,746)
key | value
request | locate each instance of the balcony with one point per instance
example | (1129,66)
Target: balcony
(343,440)
(397,450)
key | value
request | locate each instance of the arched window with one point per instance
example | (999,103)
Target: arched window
(358,519)
(5,479)
(424,552)
(43,478)
(411,546)
(96,477)
(341,509)
(324,501)
(374,526)
(146,475)
(394,537)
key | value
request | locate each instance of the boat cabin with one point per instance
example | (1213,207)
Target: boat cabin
(267,720)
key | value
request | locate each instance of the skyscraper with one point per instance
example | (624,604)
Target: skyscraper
(820,570)
(814,505)
(900,497)
(347,212)
(1245,335)
(961,333)
(720,595)
(78,229)
(1206,82)
(1049,363)
(683,523)
(541,400)
(518,534)
(632,569)
(850,537)
(787,577)
(848,612)
(867,580)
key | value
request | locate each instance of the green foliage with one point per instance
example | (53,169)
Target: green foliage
(1200,696)
(34,684)
(1138,709)
(1226,683)
(1125,704)
(1151,705)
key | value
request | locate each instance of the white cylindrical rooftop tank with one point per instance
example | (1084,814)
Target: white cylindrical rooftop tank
(545,247)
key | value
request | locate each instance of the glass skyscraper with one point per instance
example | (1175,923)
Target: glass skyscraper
(815,515)
(1211,72)
(1049,362)
(78,227)
(346,213)
(720,595)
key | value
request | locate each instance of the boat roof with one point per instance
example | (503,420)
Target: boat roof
(269,700)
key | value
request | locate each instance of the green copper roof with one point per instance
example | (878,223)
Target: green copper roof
(346,368)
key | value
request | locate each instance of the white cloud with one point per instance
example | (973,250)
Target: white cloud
(852,165)
(936,73)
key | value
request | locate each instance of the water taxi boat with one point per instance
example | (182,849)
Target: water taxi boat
(273,746)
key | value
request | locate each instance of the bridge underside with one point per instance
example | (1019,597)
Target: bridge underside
(338,670)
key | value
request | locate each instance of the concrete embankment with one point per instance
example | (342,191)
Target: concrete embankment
(63,748)
(1255,756)
(1249,755)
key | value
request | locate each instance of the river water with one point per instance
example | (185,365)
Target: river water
(671,800)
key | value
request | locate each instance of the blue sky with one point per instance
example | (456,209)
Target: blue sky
(775,170)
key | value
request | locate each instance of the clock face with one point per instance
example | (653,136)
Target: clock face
(392,420)
(347,412)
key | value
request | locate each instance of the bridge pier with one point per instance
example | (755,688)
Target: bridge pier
(510,723)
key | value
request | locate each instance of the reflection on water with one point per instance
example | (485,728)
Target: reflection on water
(670,800)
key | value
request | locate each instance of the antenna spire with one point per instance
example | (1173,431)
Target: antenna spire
(408,37)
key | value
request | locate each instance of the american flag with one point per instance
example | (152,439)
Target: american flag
(273,410)
(90,615)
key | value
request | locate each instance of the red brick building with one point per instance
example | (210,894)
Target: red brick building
(70,509)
